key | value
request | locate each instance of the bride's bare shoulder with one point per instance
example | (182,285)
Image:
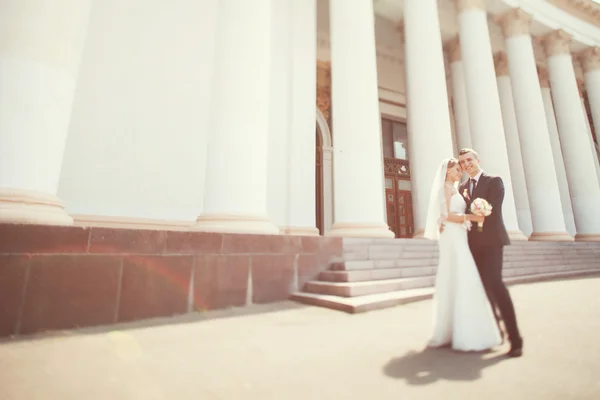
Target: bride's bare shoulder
(450,190)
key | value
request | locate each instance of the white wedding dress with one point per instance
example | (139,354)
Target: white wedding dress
(463,316)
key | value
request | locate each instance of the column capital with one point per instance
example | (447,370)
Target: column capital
(452,47)
(590,59)
(501,63)
(556,42)
(514,22)
(462,5)
(543,76)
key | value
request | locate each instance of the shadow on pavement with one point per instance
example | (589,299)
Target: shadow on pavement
(431,365)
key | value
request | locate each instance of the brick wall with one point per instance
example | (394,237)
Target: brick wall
(55,278)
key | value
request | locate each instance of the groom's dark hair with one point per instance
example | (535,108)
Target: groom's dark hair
(468,150)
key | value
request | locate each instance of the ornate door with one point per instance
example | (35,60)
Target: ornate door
(398,197)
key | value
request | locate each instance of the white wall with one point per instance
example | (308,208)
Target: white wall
(137,137)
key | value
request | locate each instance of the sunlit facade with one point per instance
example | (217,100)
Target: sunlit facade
(297,117)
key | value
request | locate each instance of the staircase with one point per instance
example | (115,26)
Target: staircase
(381,273)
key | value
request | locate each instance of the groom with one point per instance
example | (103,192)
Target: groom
(487,245)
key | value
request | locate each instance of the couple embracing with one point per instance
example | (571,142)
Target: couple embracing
(470,296)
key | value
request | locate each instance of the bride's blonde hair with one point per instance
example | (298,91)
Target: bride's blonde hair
(451,163)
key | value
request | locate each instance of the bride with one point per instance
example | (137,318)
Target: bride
(463,317)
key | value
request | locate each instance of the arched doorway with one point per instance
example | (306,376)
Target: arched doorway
(319,184)
(323,175)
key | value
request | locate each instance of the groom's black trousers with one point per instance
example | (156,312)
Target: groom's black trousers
(489,263)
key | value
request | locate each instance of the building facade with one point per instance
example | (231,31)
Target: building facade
(300,117)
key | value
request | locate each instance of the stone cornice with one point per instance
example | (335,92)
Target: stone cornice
(586,10)
(550,15)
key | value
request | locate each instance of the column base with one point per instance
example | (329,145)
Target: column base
(587,237)
(517,236)
(298,231)
(550,237)
(104,221)
(420,234)
(20,206)
(360,230)
(232,223)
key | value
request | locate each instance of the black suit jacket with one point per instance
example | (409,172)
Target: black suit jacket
(490,188)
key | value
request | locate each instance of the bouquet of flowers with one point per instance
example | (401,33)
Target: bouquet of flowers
(481,207)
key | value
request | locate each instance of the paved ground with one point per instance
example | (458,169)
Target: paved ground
(289,352)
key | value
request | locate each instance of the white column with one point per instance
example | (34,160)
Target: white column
(577,154)
(581,84)
(236,174)
(513,146)
(590,138)
(39,60)
(485,115)
(301,179)
(459,94)
(538,163)
(559,164)
(429,132)
(590,61)
(358,164)
(278,183)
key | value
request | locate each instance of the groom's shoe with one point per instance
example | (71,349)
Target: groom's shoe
(515,352)
(516,349)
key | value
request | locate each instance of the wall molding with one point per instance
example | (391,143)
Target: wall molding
(103,221)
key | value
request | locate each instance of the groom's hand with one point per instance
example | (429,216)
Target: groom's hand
(496,194)
(478,218)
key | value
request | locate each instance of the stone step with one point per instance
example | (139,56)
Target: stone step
(362,275)
(349,242)
(515,272)
(531,247)
(540,277)
(536,257)
(411,260)
(353,289)
(529,262)
(376,274)
(546,263)
(550,252)
(546,245)
(360,304)
(352,265)
(413,272)
(389,253)
(385,300)
(416,244)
